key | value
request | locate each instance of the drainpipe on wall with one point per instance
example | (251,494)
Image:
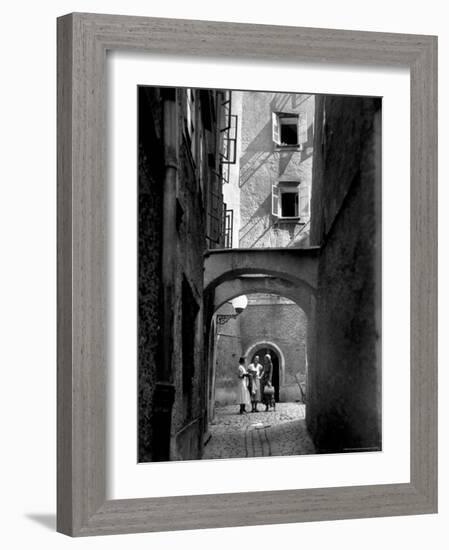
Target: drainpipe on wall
(165,390)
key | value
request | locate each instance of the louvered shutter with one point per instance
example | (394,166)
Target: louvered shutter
(275,128)
(188,110)
(275,200)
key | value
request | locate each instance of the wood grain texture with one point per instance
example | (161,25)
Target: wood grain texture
(423,281)
(83,40)
(64,277)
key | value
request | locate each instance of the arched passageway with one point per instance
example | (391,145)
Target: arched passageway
(286,279)
(261,431)
(270,324)
(297,265)
(246,284)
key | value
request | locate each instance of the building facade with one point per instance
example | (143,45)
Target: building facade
(335,341)
(344,351)
(269,192)
(272,178)
(183,147)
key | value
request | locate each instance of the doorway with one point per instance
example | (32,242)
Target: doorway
(261,352)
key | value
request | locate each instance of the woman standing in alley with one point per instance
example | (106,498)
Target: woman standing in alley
(242,386)
(265,382)
(255,372)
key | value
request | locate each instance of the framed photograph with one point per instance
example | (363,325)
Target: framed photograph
(247,281)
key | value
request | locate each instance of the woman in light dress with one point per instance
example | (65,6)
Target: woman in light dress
(255,372)
(242,386)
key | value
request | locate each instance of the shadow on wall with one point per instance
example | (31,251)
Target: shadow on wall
(279,101)
(284,161)
(260,149)
(301,238)
(253,224)
(298,237)
(254,162)
(257,153)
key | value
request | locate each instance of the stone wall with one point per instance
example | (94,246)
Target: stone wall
(278,321)
(228,352)
(150,239)
(189,399)
(175,427)
(344,399)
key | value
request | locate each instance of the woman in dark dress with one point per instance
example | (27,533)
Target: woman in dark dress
(265,382)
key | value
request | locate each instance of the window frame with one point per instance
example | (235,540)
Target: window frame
(301,130)
(191,129)
(289,186)
(284,190)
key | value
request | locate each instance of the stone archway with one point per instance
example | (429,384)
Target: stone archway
(246,285)
(297,265)
(290,273)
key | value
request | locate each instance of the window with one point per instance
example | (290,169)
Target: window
(228,223)
(289,204)
(191,119)
(291,201)
(289,130)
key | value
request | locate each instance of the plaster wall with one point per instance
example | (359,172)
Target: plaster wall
(263,164)
(345,370)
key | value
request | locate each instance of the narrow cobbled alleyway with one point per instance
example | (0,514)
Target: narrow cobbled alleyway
(281,432)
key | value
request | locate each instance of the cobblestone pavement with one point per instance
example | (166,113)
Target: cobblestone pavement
(274,433)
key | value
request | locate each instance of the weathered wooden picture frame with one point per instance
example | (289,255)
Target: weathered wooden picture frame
(83,40)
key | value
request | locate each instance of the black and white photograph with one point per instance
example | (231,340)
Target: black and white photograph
(220,299)
(259,274)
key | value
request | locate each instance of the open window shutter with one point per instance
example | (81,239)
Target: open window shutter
(188,111)
(304,203)
(302,128)
(275,128)
(275,200)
